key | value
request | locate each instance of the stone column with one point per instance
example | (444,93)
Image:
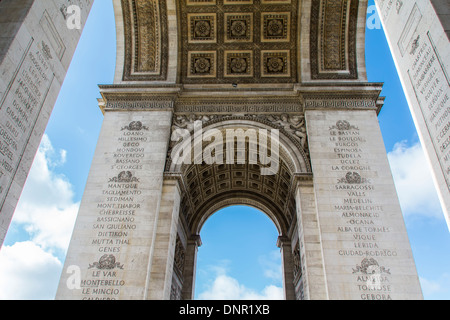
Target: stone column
(284,244)
(113,251)
(366,250)
(418,36)
(166,235)
(36,48)
(310,245)
(190,265)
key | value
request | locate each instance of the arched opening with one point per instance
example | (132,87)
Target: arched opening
(239,258)
(207,188)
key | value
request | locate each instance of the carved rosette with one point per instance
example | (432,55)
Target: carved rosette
(242,41)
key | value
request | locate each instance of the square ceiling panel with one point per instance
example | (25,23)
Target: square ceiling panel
(238,41)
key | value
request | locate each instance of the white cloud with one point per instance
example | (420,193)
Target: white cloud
(50,227)
(225,287)
(27,272)
(413,181)
(46,212)
(46,208)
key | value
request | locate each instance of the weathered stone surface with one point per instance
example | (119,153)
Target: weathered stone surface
(284,80)
(417,32)
(117,236)
(36,47)
(366,251)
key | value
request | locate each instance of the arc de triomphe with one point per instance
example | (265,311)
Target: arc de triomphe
(215,103)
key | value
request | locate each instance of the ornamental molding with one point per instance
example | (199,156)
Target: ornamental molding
(146,40)
(245,41)
(238,41)
(369,100)
(290,101)
(241,104)
(292,126)
(139,105)
(140,100)
(333,39)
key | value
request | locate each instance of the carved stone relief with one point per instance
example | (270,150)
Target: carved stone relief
(292,125)
(146,40)
(333,39)
(175,290)
(298,279)
(245,41)
(179,258)
(205,184)
(178,268)
(262,33)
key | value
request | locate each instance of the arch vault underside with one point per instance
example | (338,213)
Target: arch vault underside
(248,41)
(296,67)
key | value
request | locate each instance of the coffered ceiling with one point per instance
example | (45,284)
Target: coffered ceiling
(239,41)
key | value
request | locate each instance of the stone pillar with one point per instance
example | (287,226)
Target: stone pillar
(166,235)
(113,251)
(287,265)
(36,48)
(313,286)
(365,247)
(420,48)
(190,265)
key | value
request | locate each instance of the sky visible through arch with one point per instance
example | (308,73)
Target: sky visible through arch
(239,258)
(32,258)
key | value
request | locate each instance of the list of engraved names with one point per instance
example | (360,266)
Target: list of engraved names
(117,215)
(20,107)
(432,90)
(357,212)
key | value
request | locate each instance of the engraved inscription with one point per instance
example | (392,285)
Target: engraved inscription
(432,90)
(118,215)
(358,212)
(19,110)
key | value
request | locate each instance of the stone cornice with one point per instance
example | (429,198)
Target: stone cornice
(128,97)
(304,178)
(343,100)
(295,99)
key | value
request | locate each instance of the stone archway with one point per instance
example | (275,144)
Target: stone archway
(207,188)
(301,73)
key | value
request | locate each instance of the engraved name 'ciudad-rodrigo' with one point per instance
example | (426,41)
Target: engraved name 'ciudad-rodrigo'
(360,215)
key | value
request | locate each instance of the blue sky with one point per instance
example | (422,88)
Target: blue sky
(238,258)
